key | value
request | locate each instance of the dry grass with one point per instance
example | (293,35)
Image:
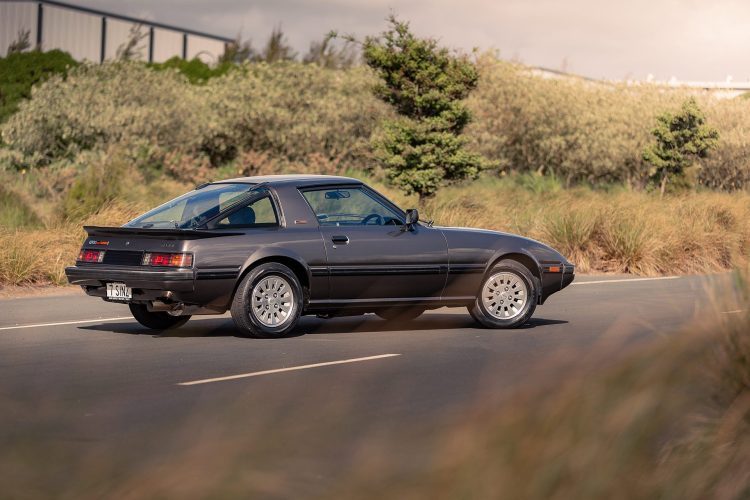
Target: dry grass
(622,231)
(39,256)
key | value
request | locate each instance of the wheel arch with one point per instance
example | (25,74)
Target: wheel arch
(525,260)
(293,262)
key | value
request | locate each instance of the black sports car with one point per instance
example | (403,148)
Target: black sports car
(271,249)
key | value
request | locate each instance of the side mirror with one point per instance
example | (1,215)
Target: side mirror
(412,217)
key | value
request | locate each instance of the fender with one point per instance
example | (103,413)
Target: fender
(526,258)
(273,252)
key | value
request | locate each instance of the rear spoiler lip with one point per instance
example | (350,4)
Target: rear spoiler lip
(165,234)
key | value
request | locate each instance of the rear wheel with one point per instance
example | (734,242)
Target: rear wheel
(268,302)
(156,320)
(507,298)
(400,313)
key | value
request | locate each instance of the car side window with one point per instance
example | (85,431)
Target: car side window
(259,213)
(350,206)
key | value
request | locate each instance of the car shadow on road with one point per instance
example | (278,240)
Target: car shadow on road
(224,327)
(219,327)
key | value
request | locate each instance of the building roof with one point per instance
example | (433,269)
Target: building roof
(145,22)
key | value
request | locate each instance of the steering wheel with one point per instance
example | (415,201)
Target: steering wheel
(373,217)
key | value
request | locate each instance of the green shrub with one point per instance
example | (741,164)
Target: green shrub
(578,131)
(195,70)
(20,71)
(593,132)
(100,105)
(680,140)
(291,110)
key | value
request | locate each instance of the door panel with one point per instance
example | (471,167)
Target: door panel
(372,262)
(370,254)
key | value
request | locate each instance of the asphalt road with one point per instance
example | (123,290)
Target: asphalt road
(85,383)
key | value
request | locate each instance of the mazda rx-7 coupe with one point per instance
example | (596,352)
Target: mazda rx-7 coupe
(271,249)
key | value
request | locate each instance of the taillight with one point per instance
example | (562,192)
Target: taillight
(91,255)
(168,259)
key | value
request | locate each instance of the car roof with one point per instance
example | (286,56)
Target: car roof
(299,180)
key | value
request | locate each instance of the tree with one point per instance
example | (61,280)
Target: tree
(132,48)
(327,54)
(22,42)
(277,48)
(238,51)
(423,148)
(681,139)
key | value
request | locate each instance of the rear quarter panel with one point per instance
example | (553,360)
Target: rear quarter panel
(221,262)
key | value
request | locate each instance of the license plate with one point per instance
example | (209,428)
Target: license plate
(118,291)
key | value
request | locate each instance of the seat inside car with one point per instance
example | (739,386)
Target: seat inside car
(245,216)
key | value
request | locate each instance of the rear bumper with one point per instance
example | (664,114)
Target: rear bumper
(182,280)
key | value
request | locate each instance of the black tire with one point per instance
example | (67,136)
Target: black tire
(246,321)
(395,314)
(479,311)
(156,320)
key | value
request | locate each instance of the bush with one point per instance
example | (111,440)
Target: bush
(592,132)
(289,110)
(20,71)
(292,110)
(100,105)
(680,140)
(195,70)
(578,131)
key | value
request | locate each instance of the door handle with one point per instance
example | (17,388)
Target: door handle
(340,239)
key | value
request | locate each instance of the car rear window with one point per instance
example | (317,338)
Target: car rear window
(194,208)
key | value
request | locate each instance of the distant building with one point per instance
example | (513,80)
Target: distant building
(719,89)
(92,35)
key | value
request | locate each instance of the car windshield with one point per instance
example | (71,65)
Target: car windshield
(194,208)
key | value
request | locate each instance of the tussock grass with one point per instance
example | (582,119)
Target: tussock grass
(39,256)
(621,231)
(15,211)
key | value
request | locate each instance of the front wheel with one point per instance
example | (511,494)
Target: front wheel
(268,302)
(156,320)
(507,298)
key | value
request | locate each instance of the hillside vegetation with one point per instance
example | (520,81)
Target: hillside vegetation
(567,156)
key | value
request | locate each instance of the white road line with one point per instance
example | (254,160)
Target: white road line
(624,280)
(79,322)
(736,311)
(291,368)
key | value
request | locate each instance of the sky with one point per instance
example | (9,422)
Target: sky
(691,40)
